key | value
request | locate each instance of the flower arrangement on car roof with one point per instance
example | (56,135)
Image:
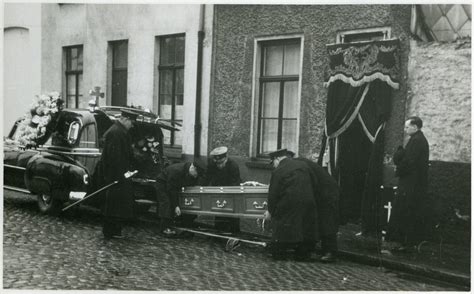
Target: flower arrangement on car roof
(33,127)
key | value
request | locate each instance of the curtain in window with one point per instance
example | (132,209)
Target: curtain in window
(360,81)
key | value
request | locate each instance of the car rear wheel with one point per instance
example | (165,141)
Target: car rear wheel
(47,204)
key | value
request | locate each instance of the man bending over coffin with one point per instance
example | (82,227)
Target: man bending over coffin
(291,208)
(326,195)
(169,184)
(223,171)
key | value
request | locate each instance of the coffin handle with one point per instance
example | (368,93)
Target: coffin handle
(188,202)
(256,206)
(221,205)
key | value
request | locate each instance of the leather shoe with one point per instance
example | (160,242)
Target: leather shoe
(328,257)
(168,233)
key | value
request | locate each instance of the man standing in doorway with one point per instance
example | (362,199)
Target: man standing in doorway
(407,220)
(116,160)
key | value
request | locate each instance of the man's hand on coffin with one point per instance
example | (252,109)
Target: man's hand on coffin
(177,211)
(267,216)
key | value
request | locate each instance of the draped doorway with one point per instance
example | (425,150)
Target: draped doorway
(361,78)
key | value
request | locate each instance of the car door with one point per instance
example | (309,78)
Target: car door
(15,158)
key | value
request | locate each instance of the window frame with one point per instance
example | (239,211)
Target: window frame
(174,68)
(114,70)
(257,90)
(341,36)
(76,73)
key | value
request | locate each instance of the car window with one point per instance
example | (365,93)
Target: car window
(61,134)
(88,137)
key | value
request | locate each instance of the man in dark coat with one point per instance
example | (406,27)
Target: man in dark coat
(169,184)
(291,207)
(326,195)
(406,222)
(116,160)
(223,171)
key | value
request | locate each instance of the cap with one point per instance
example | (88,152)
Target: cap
(199,164)
(150,138)
(219,151)
(278,153)
(129,114)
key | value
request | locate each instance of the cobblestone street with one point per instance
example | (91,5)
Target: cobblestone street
(69,252)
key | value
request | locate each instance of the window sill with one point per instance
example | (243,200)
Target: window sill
(259,163)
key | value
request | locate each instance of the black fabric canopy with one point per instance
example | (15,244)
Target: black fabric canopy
(363,62)
(360,81)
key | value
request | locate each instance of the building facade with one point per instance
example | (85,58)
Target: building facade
(256,78)
(270,66)
(139,55)
(21,60)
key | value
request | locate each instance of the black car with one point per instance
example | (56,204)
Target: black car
(63,169)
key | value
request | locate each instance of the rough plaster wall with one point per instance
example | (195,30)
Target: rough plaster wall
(236,26)
(440,93)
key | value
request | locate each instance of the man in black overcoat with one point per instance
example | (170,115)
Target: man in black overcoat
(291,207)
(116,160)
(407,219)
(326,195)
(168,185)
(223,171)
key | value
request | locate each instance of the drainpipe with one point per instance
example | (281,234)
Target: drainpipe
(197,122)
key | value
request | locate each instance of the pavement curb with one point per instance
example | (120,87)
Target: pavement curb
(436,274)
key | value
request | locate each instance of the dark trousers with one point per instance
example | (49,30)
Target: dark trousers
(165,211)
(112,226)
(329,243)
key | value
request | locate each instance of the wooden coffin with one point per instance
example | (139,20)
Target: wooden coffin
(231,201)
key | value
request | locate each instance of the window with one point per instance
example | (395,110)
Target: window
(88,137)
(74,63)
(370,34)
(278,95)
(119,72)
(171,84)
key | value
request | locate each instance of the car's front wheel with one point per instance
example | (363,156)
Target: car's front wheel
(47,204)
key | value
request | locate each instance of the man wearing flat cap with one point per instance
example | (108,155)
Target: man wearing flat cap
(116,160)
(291,208)
(169,184)
(223,171)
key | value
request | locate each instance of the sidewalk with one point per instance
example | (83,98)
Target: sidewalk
(444,262)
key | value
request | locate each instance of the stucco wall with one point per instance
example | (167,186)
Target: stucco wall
(236,27)
(21,59)
(440,94)
(95,25)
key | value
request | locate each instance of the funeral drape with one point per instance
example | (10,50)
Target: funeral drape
(361,77)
